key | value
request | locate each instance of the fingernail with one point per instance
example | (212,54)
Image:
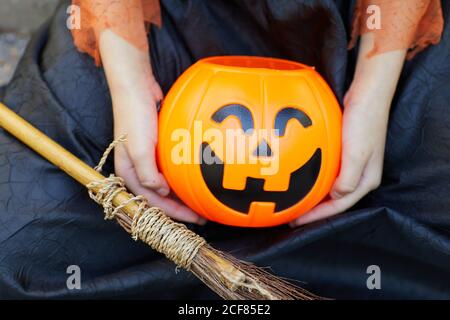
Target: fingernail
(298,223)
(149,184)
(163,191)
(335,195)
(201,221)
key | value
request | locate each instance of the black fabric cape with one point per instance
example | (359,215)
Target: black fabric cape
(47,221)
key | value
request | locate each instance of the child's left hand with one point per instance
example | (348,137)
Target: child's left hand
(366,113)
(363,141)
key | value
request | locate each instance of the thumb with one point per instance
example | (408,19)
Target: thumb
(144,160)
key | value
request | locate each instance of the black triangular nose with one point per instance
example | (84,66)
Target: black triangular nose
(263,149)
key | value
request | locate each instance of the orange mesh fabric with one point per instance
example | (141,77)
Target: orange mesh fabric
(405,24)
(126,18)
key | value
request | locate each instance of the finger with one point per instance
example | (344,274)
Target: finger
(335,206)
(144,160)
(352,167)
(374,171)
(155,88)
(171,207)
(323,211)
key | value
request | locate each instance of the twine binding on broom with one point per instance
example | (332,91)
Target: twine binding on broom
(149,224)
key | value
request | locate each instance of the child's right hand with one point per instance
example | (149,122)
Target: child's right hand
(135,159)
(135,94)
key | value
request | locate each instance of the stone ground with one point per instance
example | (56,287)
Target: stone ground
(19,18)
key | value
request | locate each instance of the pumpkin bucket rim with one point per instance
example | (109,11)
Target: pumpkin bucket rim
(255,64)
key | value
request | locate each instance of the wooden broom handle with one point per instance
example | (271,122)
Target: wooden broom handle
(56,154)
(73,166)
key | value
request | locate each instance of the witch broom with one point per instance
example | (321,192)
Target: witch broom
(228,277)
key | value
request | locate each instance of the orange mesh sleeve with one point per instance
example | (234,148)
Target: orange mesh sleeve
(126,18)
(404,24)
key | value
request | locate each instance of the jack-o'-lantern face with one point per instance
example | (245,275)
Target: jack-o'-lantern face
(250,141)
(262,181)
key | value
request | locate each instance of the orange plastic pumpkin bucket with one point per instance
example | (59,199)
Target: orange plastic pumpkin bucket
(250,141)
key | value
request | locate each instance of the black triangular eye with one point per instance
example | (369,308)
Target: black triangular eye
(286,114)
(239,111)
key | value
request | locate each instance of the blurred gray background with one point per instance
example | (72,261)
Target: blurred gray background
(18,19)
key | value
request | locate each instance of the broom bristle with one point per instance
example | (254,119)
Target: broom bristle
(233,279)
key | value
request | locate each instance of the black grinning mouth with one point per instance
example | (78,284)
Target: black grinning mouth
(301,182)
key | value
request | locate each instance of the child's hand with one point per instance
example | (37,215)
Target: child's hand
(366,113)
(135,94)
(135,159)
(363,141)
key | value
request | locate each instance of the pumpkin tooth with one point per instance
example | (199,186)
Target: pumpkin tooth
(233,179)
(278,182)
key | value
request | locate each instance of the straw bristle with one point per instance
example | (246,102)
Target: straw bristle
(238,280)
(233,279)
